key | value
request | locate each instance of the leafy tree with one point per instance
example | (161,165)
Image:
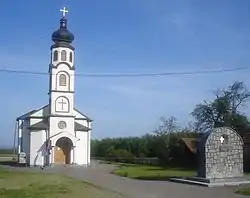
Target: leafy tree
(162,142)
(165,144)
(121,153)
(168,125)
(224,110)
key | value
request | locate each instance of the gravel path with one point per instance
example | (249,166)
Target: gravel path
(99,174)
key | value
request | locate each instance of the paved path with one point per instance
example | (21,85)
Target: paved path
(100,175)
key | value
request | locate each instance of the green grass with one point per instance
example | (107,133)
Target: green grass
(6,155)
(7,158)
(152,172)
(42,185)
(243,191)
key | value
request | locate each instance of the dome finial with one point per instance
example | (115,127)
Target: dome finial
(63,34)
(64,11)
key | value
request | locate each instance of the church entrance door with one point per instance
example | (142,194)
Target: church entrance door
(62,151)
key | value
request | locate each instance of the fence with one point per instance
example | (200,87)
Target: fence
(146,161)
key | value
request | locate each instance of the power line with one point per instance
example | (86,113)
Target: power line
(132,75)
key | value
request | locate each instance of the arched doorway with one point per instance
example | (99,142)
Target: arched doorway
(62,151)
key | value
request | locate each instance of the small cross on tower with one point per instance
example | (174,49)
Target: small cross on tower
(222,139)
(64,11)
(62,102)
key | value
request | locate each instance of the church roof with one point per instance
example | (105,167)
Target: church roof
(63,35)
(44,125)
(39,126)
(191,144)
(26,115)
(30,113)
(87,118)
(79,127)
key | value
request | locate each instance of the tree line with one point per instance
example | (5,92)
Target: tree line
(226,109)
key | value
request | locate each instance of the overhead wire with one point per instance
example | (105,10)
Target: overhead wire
(119,75)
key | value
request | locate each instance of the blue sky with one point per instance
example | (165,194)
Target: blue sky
(132,36)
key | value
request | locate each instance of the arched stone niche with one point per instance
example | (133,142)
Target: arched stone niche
(220,154)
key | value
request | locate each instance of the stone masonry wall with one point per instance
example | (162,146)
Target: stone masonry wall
(224,159)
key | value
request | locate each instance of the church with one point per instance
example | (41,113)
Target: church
(56,133)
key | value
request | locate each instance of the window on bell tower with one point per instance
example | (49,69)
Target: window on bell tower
(71,57)
(63,55)
(55,55)
(62,80)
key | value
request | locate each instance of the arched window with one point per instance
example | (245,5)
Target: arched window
(55,56)
(71,57)
(62,104)
(64,55)
(62,80)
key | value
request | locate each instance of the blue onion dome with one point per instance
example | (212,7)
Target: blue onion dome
(63,34)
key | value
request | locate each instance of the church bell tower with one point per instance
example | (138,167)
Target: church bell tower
(61,82)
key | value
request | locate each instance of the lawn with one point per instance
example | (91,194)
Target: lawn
(243,191)
(42,185)
(152,172)
(5,154)
(161,173)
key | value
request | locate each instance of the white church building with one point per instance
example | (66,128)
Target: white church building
(57,133)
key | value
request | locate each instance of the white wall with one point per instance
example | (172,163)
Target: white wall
(89,146)
(55,80)
(55,72)
(86,136)
(53,121)
(35,120)
(37,147)
(81,155)
(59,49)
(26,139)
(69,96)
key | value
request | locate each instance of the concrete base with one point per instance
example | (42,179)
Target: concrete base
(213,182)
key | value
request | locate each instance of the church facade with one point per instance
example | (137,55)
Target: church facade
(57,133)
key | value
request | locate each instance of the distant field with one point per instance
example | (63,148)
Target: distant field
(6,157)
(6,152)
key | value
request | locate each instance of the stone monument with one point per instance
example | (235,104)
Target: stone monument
(220,159)
(220,154)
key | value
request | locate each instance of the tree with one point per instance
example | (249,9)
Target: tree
(161,143)
(224,110)
(168,125)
